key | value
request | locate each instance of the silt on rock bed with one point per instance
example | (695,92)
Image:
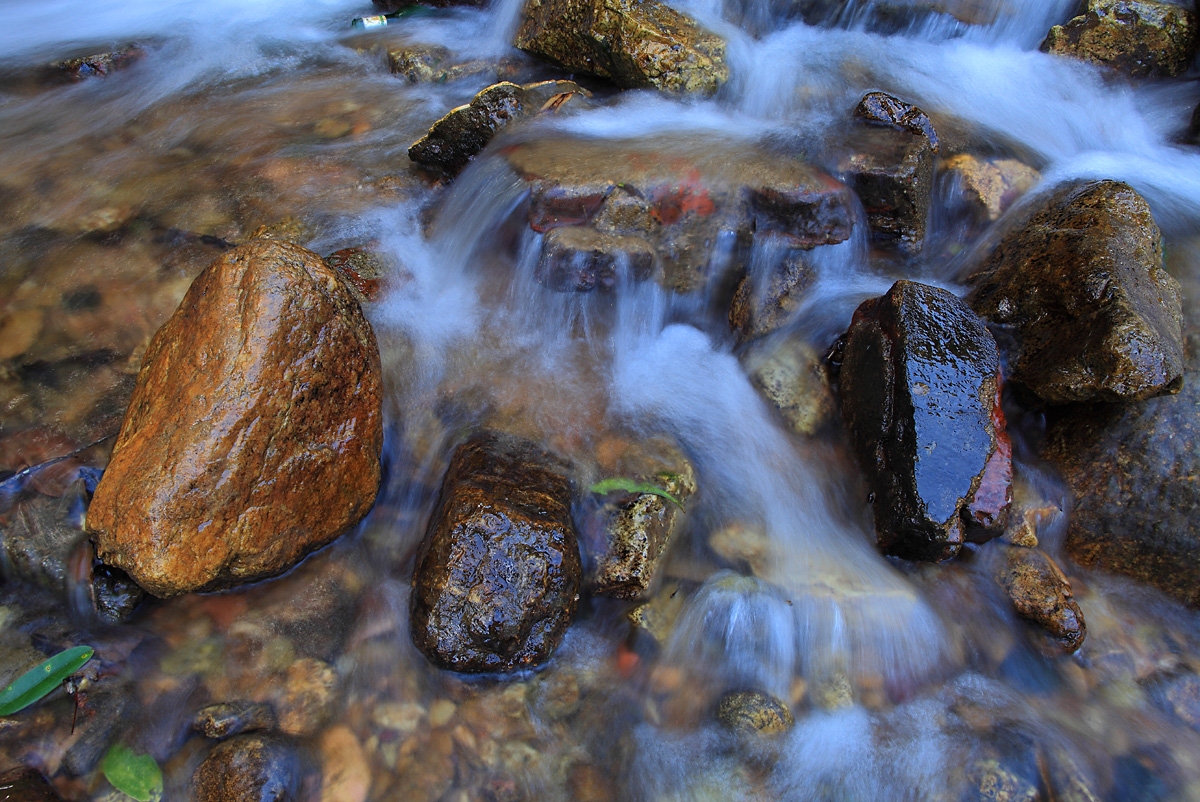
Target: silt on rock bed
(578,400)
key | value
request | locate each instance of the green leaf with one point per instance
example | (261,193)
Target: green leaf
(133,774)
(631,486)
(42,679)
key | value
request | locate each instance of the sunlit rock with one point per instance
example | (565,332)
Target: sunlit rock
(989,185)
(919,386)
(466,130)
(254,433)
(1131,470)
(1041,593)
(791,376)
(1078,287)
(639,527)
(754,712)
(633,44)
(498,574)
(1139,37)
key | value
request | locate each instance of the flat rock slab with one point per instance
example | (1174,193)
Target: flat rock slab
(254,432)
(1078,287)
(680,197)
(1139,37)
(498,574)
(920,397)
(633,43)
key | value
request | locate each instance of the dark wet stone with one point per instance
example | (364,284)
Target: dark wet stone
(250,768)
(1041,593)
(1138,37)
(1131,469)
(24,784)
(880,108)
(498,573)
(633,44)
(764,304)
(581,259)
(921,402)
(1079,287)
(891,171)
(98,65)
(754,712)
(226,719)
(115,595)
(639,527)
(454,140)
(95,731)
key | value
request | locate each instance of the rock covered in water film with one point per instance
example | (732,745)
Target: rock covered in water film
(754,712)
(792,377)
(1079,287)
(1139,37)
(920,396)
(498,573)
(582,259)
(989,185)
(1041,593)
(880,108)
(254,432)
(1131,470)
(639,527)
(250,768)
(633,44)
(763,304)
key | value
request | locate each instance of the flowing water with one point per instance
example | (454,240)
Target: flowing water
(907,682)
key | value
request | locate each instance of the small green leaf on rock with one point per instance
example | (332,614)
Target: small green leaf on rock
(133,774)
(42,679)
(630,486)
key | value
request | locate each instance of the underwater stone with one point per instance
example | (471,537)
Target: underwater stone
(250,768)
(1078,285)
(755,713)
(254,432)
(920,398)
(1041,593)
(226,719)
(581,259)
(498,573)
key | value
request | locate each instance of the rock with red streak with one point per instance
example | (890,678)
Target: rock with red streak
(679,198)
(498,574)
(919,385)
(254,433)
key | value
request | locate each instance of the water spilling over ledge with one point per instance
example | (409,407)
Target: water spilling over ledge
(650,291)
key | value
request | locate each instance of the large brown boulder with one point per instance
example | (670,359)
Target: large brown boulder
(1139,37)
(254,432)
(1131,470)
(1080,288)
(498,574)
(920,396)
(633,43)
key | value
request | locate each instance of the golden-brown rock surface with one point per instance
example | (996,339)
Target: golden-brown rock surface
(254,432)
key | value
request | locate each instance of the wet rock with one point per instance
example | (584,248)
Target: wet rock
(754,712)
(254,432)
(498,574)
(656,618)
(1041,593)
(465,131)
(1139,37)
(364,270)
(991,781)
(96,732)
(310,694)
(99,65)
(1079,286)
(989,185)
(345,768)
(433,64)
(680,198)
(580,259)
(289,229)
(742,547)
(889,16)
(920,396)
(791,376)
(250,768)
(891,171)
(1130,470)
(1182,696)
(764,304)
(880,108)
(633,44)
(226,719)
(639,529)
(24,784)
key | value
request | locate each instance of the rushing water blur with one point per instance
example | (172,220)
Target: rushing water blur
(242,114)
